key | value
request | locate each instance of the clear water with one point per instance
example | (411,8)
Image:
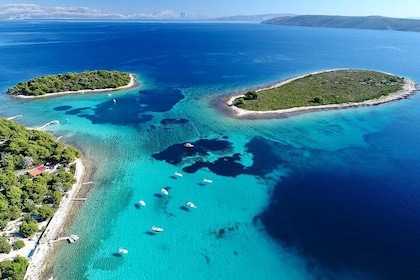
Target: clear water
(326,195)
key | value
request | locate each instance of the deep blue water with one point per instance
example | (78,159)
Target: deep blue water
(326,195)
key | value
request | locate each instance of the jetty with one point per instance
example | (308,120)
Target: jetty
(14,117)
(79,199)
(70,239)
(47,124)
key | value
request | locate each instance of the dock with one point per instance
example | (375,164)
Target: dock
(79,199)
(71,239)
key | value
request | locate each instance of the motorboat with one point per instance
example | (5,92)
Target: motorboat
(122,251)
(157,229)
(188,145)
(164,191)
(142,203)
(190,204)
(207,181)
(177,174)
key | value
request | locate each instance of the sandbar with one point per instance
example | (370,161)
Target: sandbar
(133,83)
(409,88)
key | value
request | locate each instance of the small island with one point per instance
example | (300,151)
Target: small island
(330,89)
(86,81)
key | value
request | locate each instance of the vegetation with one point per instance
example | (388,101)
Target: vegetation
(333,87)
(14,269)
(18,244)
(87,80)
(5,246)
(369,22)
(21,194)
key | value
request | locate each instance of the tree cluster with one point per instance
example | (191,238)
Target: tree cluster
(14,269)
(87,80)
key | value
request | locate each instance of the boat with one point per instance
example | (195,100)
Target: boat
(190,204)
(188,145)
(207,181)
(122,251)
(74,237)
(142,203)
(157,229)
(177,174)
(165,191)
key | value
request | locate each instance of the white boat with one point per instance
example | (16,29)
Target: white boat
(188,145)
(142,203)
(74,237)
(122,251)
(207,181)
(165,191)
(177,174)
(190,204)
(157,229)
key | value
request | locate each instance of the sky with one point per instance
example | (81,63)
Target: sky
(390,8)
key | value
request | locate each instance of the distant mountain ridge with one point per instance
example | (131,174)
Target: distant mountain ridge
(258,18)
(368,22)
(32,11)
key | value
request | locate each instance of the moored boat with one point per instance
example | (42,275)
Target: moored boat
(157,229)
(142,203)
(190,204)
(188,145)
(164,191)
(122,251)
(207,181)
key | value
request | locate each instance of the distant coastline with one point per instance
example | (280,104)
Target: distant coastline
(133,83)
(409,88)
(355,22)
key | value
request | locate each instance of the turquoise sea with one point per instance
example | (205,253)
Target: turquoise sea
(325,195)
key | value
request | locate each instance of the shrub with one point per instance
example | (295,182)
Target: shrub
(28,228)
(5,246)
(251,95)
(19,244)
(318,99)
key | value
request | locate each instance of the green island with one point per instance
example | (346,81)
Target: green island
(357,22)
(35,173)
(325,88)
(72,82)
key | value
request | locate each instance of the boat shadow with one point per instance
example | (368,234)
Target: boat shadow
(151,233)
(184,208)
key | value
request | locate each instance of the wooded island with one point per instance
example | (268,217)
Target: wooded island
(72,82)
